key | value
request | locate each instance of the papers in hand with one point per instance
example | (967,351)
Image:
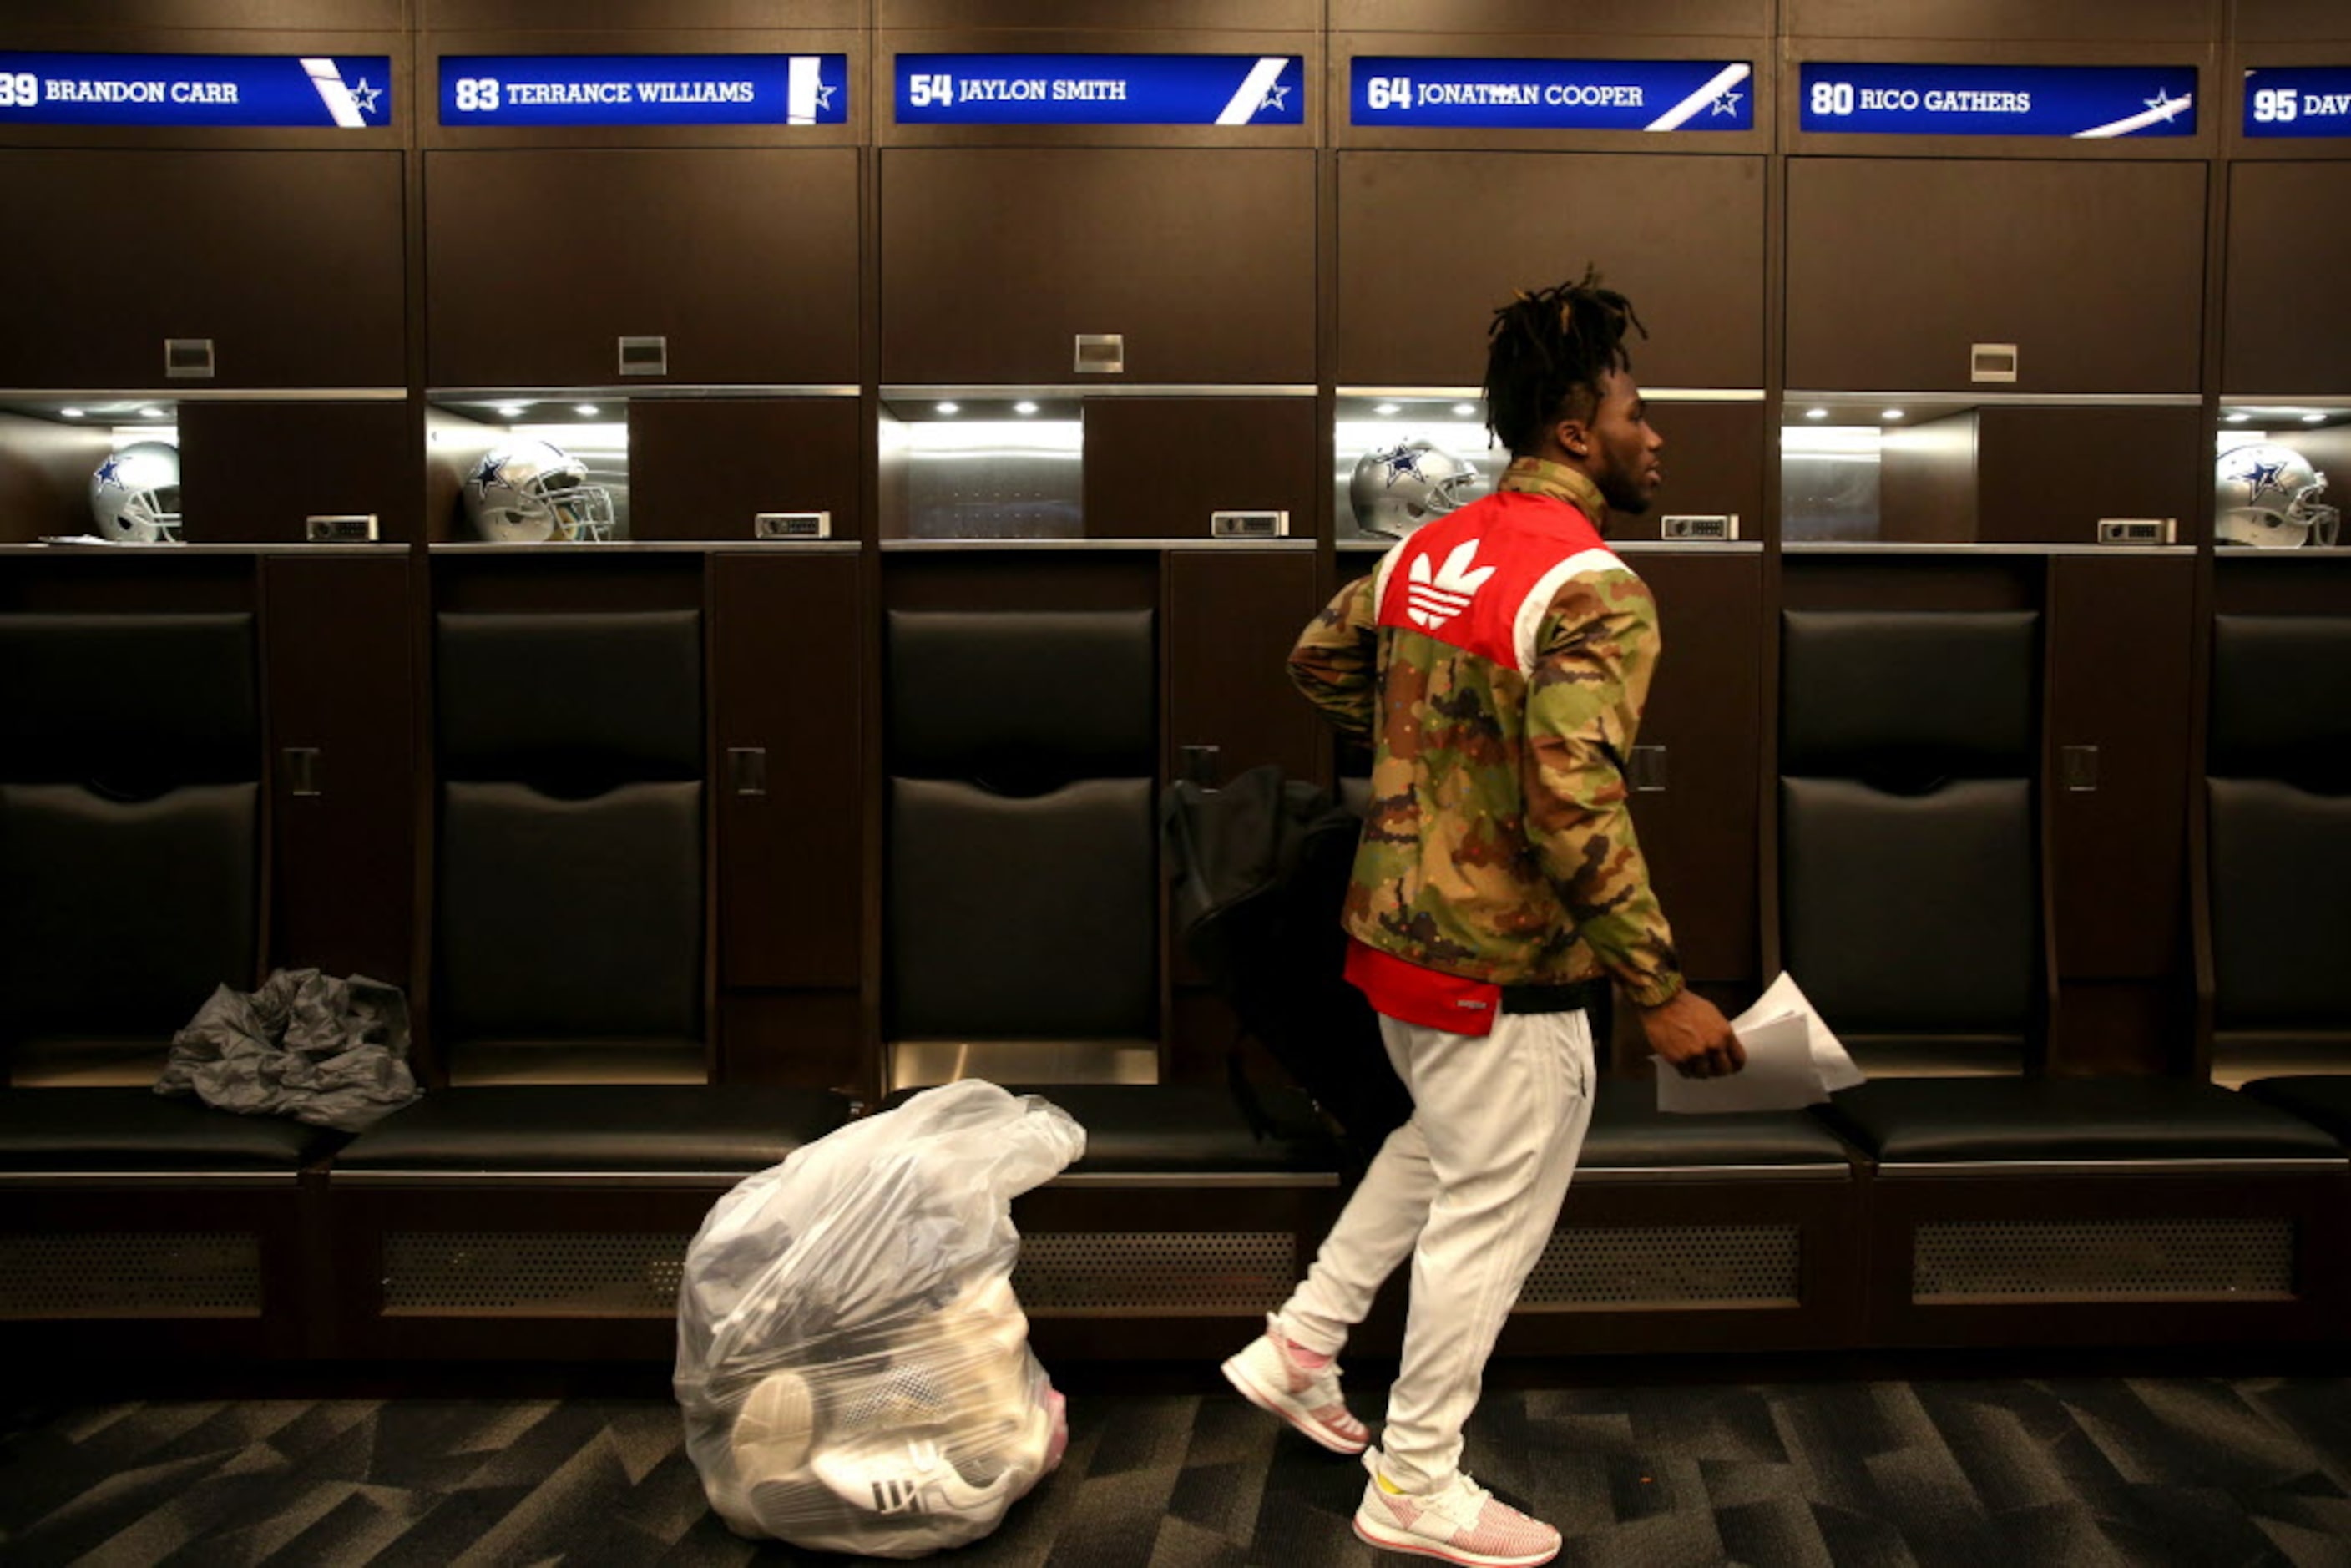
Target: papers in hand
(1792,1060)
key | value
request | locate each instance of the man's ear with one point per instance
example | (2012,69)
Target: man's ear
(1573,436)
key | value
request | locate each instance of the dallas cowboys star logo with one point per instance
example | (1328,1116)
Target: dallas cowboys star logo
(366,97)
(111,471)
(2166,105)
(1728,103)
(1276,97)
(824,91)
(1399,462)
(2263,475)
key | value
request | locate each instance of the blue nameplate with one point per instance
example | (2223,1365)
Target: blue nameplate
(1554,95)
(2092,101)
(2298,100)
(1102,89)
(219,90)
(644,90)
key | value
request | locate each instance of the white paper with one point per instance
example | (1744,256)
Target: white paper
(1792,1060)
(1785,997)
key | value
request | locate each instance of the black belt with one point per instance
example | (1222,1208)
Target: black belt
(1572,999)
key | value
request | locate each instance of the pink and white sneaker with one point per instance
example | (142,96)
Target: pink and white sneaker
(1270,1374)
(1460,1523)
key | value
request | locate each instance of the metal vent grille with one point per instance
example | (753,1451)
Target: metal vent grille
(2094,1259)
(1170,1271)
(1666,1266)
(118,1274)
(532,1273)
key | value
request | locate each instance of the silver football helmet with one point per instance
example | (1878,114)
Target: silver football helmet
(528,491)
(134,496)
(1401,485)
(2269,498)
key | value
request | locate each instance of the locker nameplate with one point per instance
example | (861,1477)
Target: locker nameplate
(2091,102)
(2298,100)
(644,90)
(1554,95)
(1102,89)
(223,91)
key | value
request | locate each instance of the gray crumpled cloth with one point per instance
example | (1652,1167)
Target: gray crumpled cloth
(330,1052)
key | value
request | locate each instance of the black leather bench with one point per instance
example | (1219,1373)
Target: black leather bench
(547,1221)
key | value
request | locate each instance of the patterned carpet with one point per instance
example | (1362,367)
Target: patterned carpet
(2012,1473)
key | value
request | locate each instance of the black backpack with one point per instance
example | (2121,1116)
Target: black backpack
(1261,867)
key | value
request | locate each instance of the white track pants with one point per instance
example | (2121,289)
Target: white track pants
(1470,1187)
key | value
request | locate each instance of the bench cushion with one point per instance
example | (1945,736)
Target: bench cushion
(1628,1131)
(1964,1120)
(2321,1098)
(597,1127)
(111,1129)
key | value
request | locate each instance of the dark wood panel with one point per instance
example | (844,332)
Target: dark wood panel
(2290,21)
(1602,19)
(538,259)
(128,581)
(340,16)
(1698,833)
(1682,235)
(787,652)
(1156,468)
(1928,482)
(994,259)
(237,485)
(700,468)
(2048,475)
(1949,582)
(1232,619)
(336,640)
(798,1040)
(1895,266)
(2121,639)
(1713,465)
(2123,1027)
(1021,579)
(44,472)
(2284,328)
(679,15)
(1252,16)
(290,261)
(566,577)
(2002,21)
(2300,583)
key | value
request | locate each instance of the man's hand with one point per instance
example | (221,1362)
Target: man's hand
(1691,1033)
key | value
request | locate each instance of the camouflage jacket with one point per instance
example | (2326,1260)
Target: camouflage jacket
(1497,661)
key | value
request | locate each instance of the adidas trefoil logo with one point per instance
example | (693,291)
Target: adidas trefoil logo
(1432,602)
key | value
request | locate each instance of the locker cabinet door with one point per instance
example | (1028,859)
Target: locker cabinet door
(2287,330)
(539,260)
(1898,265)
(1697,832)
(994,261)
(1431,243)
(290,262)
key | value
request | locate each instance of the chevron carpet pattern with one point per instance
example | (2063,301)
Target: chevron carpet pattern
(2007,1473)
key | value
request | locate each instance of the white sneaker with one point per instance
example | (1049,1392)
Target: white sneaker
(1461,1522)
(1268,1374)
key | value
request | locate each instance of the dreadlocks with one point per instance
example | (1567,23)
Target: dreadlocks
(1546,353)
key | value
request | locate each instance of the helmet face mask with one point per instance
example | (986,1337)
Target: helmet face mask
(2268,498)
(134,495)
(533,492)
(1401,485)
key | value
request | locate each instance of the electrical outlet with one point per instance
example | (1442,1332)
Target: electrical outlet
(1249,525)
(1699,528)
(2136,531)
(793,526)
(353,529)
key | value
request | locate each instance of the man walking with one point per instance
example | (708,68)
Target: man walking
(1496,661)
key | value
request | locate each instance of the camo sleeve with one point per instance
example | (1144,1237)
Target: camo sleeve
(1596,649)
(1336,662)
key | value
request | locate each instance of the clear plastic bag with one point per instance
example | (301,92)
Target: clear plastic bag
(854,1367)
